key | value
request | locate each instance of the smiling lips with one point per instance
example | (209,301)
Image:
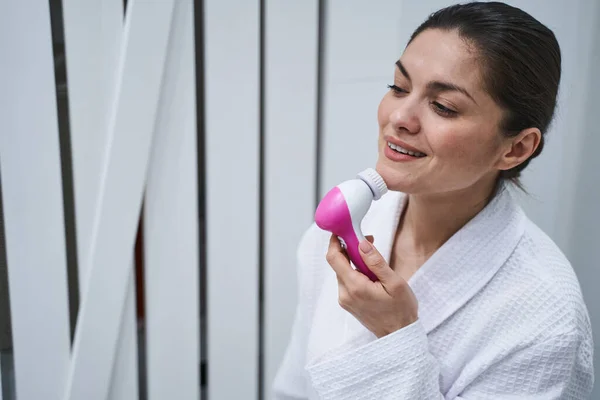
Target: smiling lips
(402,150)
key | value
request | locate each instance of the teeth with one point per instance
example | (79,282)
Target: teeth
(404,151)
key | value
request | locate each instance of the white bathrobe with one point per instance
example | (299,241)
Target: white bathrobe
(501,316)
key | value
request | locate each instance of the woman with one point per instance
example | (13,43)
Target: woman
(473,300)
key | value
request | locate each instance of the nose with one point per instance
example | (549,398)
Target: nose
(405,117)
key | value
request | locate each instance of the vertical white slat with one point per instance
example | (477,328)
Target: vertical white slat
(93,35)
(291,79)
(32,201)
(171,227)
(359,64)
(232,168)
(124,381)
(133,116)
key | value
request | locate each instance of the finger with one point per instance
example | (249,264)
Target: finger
(370,238)
(376,263)
(338,260)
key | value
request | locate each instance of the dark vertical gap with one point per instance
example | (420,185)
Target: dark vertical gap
(261,201)
(202,216)
(140,294)
(140,309)
(62,103)
(320,96)
(7,366)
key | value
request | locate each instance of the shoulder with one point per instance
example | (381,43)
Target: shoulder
(546,304)
(547,284)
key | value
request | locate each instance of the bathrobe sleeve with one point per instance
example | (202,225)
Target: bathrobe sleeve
(399,366)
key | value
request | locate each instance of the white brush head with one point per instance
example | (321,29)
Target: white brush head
(375,182)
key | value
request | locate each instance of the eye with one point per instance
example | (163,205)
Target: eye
(442,110)
(397,90)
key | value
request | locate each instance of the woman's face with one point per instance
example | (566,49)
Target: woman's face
(439,110)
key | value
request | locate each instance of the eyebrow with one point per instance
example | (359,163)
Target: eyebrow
(402,69)
(438,86)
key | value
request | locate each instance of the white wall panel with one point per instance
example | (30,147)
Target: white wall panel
(32,201)
(131,128)
(232,170)
(291,94)
(362,45)
(171,227)
(124,381)
(550,179)
(93,36)
(361,38)
(585,220)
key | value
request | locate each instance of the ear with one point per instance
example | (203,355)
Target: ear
(520,148)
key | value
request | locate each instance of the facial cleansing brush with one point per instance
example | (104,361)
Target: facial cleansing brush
(343,208)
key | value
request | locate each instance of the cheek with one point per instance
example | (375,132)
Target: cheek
(463,146)
(448,142)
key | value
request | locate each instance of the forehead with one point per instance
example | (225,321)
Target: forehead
(442,55)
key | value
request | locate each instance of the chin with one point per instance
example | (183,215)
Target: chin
(395,180)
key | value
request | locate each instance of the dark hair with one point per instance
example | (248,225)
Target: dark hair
(521,63)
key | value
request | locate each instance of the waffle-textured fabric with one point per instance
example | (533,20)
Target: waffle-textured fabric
(501,316)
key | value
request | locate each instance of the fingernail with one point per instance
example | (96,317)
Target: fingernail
(365,246)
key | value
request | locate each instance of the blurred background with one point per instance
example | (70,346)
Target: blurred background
(159,162)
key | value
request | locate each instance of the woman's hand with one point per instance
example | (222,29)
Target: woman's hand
(383,307)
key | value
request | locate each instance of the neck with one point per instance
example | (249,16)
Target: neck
(430,220)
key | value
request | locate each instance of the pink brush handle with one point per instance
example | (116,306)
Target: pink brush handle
(334,216)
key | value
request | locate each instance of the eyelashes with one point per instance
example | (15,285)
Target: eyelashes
(445,111)
(436,106)
(396,89)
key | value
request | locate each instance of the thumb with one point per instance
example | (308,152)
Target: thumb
(375,261)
